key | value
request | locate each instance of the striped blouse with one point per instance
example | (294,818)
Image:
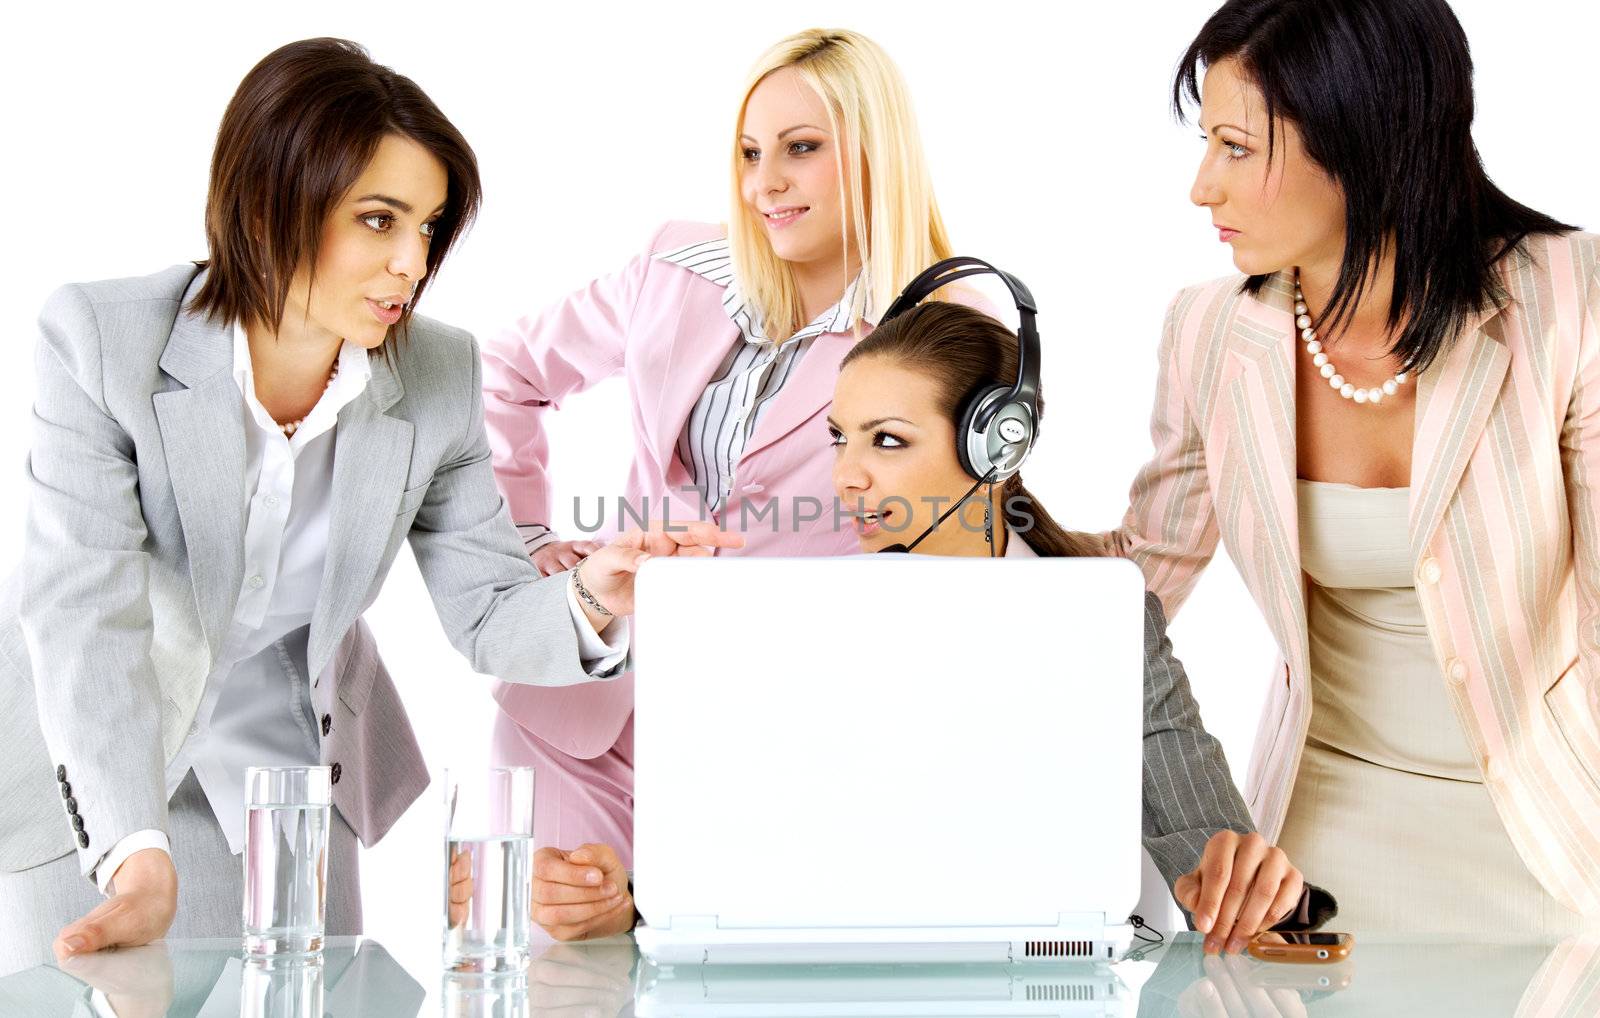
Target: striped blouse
(748,379)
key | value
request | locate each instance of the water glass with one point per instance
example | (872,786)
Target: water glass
(488,869)
(287,812)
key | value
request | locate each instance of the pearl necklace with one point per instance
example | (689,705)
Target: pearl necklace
(293,426)
(1373,395)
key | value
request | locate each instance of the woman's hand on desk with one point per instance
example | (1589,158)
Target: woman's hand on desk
(140,911)
(608,573)
(1243,886)
(582,894)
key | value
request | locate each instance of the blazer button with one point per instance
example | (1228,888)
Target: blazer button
(72,806)
(337,770)
(1430,571)
(66,790)
(327,723)
(83,840)
(752,489)
(61,772)
(1494,770)
(1456,669)
(77,822)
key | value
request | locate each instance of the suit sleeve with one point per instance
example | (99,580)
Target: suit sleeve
(531,367)
(85,610)
(1580,461)
(496,609)
(1189,794)
(1170,528)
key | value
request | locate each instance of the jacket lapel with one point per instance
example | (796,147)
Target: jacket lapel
(373,455)
(697,350)
(1257,410)
(202,433)
(1454,399)
(807,391)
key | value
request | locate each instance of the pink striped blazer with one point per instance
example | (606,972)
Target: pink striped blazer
(1505,530)
(664,328)
(1567,985)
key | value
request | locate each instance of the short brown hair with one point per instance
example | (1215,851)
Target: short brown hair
(301,128)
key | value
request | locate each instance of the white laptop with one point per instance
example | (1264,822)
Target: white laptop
(890,758)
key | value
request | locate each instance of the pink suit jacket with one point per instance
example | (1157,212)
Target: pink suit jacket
(664,328)
(1505,531)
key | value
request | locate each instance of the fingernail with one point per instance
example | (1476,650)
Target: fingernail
(1235,946)
(592,877)
(1211,945)
(75,943)
(1202,923)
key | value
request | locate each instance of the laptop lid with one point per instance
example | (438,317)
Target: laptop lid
(887,741)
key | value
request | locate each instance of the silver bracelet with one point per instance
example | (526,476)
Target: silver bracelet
(583,592)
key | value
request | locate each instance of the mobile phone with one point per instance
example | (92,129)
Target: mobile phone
(1313,948)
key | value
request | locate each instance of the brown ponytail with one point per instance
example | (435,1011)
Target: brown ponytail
(1029,519)
(965,351)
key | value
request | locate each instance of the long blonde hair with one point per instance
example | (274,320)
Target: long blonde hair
(898,229)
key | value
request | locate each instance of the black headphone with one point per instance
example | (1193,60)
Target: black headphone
(998,425)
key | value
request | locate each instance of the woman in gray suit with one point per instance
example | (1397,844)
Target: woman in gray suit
(226,457)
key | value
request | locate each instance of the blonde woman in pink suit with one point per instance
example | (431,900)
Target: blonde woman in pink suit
(1392,421)
(730,340)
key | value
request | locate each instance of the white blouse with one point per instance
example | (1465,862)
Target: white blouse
(256,708)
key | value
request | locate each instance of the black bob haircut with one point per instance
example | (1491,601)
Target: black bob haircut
(1381,92)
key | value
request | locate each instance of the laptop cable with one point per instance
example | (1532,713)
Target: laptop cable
(1150,943)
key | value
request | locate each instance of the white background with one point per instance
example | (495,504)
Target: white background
(1051,148)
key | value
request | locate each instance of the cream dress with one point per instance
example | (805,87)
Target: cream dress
(1389,811)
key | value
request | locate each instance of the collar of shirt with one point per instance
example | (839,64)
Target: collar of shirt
(354,374)
(713,260)
(1016,547)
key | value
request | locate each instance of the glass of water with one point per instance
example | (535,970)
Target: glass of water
(287,811)
(488,869)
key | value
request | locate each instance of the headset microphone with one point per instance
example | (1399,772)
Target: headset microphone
(946,515)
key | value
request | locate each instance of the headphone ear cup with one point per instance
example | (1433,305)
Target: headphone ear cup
(972,447)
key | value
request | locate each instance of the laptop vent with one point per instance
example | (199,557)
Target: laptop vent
(1061,992)
(1059,949)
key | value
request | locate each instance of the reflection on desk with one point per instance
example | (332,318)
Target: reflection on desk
(210,979)
(1418,978)
(1413,977)
(1068,989)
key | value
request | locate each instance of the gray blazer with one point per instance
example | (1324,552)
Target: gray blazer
(1189,794)
(134,560)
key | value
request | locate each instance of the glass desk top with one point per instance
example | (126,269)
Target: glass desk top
(605,979)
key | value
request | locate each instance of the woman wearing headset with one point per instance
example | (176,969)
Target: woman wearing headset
(904,402)
(1392,420)
(730,340)
(898,407)
(226,457)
